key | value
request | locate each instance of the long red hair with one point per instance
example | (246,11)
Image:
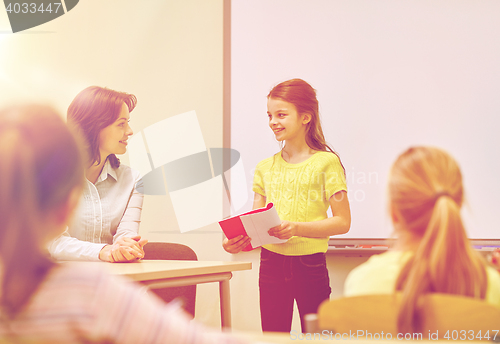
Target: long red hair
(303,96)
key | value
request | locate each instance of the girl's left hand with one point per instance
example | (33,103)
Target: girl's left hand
(284,231)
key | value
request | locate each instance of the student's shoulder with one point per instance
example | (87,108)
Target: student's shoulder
(493,290)
(493,277)
(377,275)
(84,279)
(72,291)
(82,273)
(387,260)
(76,281)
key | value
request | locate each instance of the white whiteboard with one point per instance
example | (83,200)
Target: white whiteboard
(389,74)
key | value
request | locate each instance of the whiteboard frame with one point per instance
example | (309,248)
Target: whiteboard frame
(227,71)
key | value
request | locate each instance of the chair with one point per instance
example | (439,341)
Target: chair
(173,251)
(444,313)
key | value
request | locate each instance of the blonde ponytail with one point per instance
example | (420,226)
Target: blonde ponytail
(426,190)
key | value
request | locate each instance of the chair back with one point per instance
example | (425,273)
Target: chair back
(173,251)
(441,313)
(168,251)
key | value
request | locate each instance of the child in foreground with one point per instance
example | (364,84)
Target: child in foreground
(433,253)
(41,180)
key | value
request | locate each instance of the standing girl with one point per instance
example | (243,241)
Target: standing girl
(303,180)
(106,225)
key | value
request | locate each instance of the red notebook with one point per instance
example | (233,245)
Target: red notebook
(255,225)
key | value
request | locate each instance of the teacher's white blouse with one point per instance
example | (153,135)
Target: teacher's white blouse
(108,210)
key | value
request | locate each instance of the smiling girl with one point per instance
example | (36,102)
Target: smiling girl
(107,222)
(303,180)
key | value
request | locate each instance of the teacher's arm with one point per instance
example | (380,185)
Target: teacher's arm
(66,247)
(131,219)
(127,243)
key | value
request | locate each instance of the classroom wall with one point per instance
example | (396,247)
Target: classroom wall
(169,54)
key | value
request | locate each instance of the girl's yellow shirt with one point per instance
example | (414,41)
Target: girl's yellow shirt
(301,193)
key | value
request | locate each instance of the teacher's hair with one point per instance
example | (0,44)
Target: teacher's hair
(92,110)
(426,192)
(41,165)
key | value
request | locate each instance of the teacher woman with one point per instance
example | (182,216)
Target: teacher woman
(106,224)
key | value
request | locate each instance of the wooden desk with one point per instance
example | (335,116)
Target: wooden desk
(177,273)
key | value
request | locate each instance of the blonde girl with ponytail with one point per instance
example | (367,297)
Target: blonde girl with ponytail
(433,253)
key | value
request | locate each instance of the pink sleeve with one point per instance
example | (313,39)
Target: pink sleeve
(126,313)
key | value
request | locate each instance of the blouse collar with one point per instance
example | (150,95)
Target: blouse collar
(107,169)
